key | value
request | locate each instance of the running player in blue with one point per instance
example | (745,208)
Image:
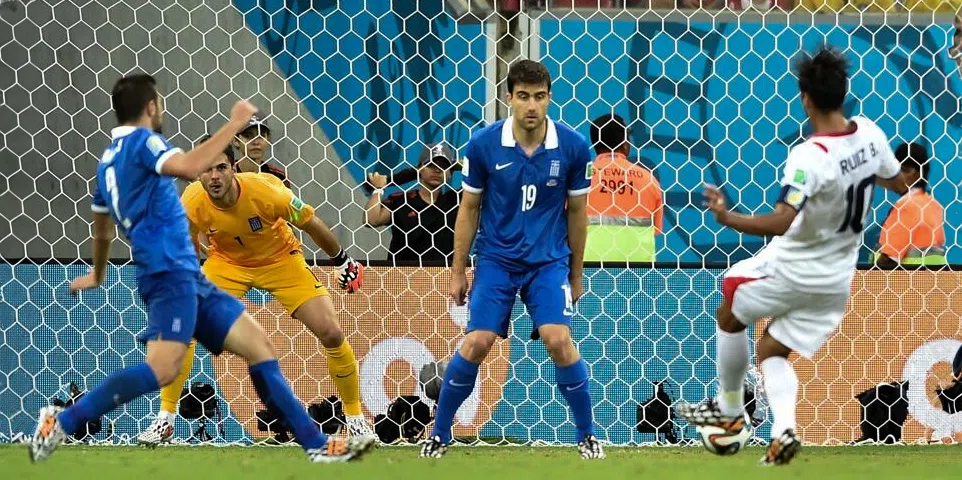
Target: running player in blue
(526,181)
(136,190)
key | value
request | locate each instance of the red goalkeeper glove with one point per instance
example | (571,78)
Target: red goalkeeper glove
(351,272)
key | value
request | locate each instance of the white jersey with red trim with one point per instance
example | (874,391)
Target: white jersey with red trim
(829,179)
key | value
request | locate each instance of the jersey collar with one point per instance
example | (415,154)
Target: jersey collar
(615,157)
(121,131)
(550,137)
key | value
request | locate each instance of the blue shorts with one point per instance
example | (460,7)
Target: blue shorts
(182,305)
(545,291)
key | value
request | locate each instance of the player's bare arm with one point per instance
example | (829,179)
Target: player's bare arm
(465,229)
(577,237)
(896,184)
(199,159)
(769,224)
(104,233)
(375,213)
(322,236)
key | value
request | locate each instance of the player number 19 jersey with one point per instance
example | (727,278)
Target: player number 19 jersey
(523,222)
(830,180)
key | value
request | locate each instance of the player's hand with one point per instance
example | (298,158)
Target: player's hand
(459,288)
(242,112)
(715,202)
(85,282)
(351,275)
(377,180)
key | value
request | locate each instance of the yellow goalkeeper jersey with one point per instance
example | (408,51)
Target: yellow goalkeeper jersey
(254,232)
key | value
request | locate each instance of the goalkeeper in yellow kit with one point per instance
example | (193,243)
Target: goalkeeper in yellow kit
(247,219)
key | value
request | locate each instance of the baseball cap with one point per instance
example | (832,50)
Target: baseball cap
(438,154)
(257,120)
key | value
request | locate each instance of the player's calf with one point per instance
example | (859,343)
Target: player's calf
(571,373)
(460,377)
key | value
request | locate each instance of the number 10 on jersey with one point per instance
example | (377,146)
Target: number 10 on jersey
(529,193)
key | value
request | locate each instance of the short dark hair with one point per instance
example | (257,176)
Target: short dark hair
(528,72)
(229,151)
(915,156)
(823,76)
(130,96)
(608,133)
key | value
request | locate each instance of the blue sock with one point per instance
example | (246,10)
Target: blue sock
(276,394)
(458,384)
(117,389)
(573,382)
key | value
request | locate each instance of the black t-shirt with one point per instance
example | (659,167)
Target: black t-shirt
(272,169)
(422,231)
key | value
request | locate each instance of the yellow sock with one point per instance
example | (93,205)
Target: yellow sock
(170,395)
(343,368)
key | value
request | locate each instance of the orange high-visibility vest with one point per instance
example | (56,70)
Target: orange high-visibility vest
(625,210)
(914,229)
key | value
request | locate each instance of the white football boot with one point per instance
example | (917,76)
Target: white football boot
(160,431)
(48,435)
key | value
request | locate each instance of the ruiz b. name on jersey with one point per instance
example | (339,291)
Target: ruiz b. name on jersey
(857,159)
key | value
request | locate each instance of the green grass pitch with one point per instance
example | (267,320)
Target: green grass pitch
(488,463)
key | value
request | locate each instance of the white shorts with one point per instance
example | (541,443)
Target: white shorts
(800,321)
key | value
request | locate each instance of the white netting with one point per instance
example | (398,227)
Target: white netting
(353,87)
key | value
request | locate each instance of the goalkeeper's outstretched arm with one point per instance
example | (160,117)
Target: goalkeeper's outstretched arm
(350,272)
(322,236)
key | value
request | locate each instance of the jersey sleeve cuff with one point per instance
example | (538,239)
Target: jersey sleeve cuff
(579,192)
(470,189)
(163,159)
(98,208)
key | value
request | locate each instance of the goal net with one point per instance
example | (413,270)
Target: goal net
(357,87)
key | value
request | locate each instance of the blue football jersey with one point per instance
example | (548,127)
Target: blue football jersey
(144,204)
(523,221)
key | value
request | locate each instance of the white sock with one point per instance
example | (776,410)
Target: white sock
(731,357)
(781,387)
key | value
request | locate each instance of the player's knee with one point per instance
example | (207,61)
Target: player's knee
(165,359)
(768,347)
(261,348)
(166,369)
(247,339)
(558,343)
(726,319)
(476,345)
(319,317)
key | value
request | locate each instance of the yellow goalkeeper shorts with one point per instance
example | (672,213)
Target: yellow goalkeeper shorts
(291,281)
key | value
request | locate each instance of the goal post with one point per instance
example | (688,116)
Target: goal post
(357,87)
